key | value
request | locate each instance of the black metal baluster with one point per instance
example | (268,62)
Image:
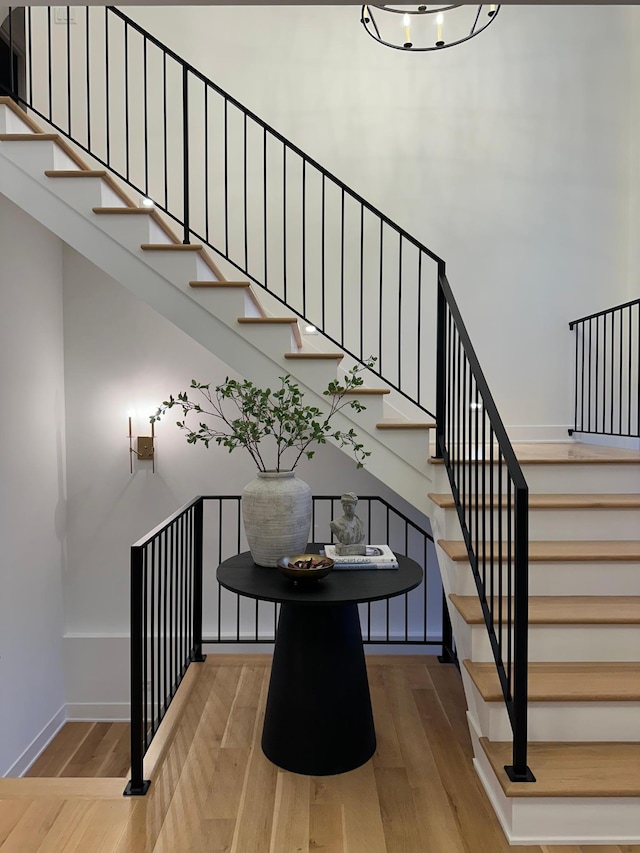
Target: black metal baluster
(244,183)
(399,335)
(145,90)
(284,221)
(68,29)
(597,385)
(264,215)
(165,622)
(323,250)
(145,647)
(30,49)
(226,178)
(620,371)
(361,281)
(88,78)
(342,268)
(186,177)
(206,162)
(589,388)
(50,64)
(219,561)
(137,784)
(126,100)
(304,238)
(419,341)
(164,131)
(380,298)
(106,83)
(197,583)
(152,685)
(604,374)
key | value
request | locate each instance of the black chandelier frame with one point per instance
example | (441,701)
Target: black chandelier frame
(368,21)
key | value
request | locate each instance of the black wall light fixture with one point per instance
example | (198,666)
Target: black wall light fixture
(416,27)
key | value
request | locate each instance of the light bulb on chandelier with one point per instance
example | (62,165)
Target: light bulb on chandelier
(422,28)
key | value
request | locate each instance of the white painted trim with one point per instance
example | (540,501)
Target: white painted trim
(538,432)
(98,712)
(40,742)
(621,441)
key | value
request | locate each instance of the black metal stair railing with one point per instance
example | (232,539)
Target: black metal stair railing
(177,605)
(607,371)
(235,184)
(491,498)
(232,182)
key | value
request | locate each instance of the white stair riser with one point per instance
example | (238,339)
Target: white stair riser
(556,642)
(613,578)
(555,479)
(83,194)
(227,303)
(35,157)
(175,266)
(559,524)
(273,339)
(12,123)
(412,445)
(130,230)
(562,820)
(556,721)
(317,373)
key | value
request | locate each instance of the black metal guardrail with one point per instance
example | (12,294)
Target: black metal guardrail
(492,501)
(234,183)
(607,371)
(174,595)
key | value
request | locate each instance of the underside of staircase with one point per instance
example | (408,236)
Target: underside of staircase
(584,675)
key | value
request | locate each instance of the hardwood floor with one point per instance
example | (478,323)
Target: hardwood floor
(215,790)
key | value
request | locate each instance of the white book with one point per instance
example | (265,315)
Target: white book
(377,556)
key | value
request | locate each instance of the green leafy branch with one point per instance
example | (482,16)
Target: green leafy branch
(244,415)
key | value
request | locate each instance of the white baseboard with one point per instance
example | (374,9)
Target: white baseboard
(99,712)
(38,744)
(621,441)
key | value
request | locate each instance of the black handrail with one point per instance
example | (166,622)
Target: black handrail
(167,572)
(379,253)
(607,372)
(468,427)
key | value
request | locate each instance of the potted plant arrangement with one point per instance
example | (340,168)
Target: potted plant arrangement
(278,429)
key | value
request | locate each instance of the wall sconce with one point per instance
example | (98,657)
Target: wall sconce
(144,449)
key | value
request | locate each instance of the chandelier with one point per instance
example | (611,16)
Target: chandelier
(418,27)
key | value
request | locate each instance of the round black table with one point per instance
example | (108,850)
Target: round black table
(318,718)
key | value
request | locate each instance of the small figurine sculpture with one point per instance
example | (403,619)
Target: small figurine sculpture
(349,529)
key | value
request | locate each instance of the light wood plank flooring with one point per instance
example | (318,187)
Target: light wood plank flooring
(215,790)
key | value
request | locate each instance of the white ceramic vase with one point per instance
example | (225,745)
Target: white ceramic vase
(276,511)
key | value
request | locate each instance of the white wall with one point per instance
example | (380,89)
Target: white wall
(32,473)
(509,156)
(119,356)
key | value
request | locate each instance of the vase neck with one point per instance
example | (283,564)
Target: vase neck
(276,475)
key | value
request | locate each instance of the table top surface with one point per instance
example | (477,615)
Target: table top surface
(241,575)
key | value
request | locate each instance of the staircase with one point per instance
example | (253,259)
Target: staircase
(585,650)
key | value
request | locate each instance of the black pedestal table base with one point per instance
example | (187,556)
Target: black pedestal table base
(318,719)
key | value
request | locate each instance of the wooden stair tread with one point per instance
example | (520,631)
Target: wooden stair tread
(267,320)
(562,609)
(29,137)
(75,173)
(566,453)
(163,247)
(587,769)
(565,682)
(219,284)
(357,391)
(336,356)
(560,551)
(124,210)
(400,424)
(550,501)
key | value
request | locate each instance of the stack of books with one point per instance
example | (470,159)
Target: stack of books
(377,557)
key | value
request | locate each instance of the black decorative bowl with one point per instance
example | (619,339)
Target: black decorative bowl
(305,568)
